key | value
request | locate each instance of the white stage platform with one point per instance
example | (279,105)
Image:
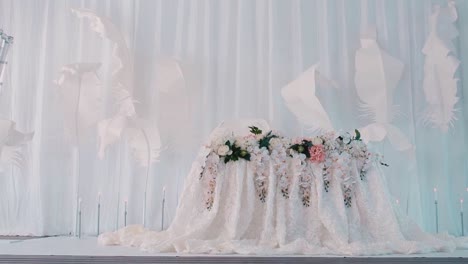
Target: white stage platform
(86,250)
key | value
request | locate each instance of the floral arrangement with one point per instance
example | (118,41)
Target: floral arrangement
(328,153)
(230,151)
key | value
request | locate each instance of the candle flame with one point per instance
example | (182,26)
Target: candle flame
(435,189)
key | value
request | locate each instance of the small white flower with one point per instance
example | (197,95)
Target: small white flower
(223,150)
(275,142)
(317,141)
(346,138)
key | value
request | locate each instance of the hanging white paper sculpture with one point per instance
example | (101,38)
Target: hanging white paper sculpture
(440,84)
(80,90)
(376,77)
(11,141)
(300,98)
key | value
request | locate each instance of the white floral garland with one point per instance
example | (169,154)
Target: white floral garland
(209,175)
(260,162)
(332,152)
(279,159)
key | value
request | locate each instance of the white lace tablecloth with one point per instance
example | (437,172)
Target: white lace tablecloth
(277,204)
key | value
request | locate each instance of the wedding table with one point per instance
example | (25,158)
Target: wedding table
(254,191)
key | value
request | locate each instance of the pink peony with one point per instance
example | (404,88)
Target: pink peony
(317,153)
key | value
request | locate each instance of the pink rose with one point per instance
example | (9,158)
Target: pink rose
(317,153)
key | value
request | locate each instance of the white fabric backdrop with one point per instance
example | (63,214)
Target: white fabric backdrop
(239,54)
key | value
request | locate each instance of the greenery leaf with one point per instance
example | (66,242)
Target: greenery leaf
(358,134)
(255,130)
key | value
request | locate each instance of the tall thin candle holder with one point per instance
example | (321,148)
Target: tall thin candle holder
(125,214)
(461,217)
(436,210)
(436,216)
(98,215)
(162,208)
(79,218)
(462,225)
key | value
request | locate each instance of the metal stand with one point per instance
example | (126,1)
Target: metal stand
(462,225)
(79,224)
(162,212)
(77,218)
(436,216)
(98,217)
(144,211)
(125,218)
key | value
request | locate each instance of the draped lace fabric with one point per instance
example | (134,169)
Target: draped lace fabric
(221,211)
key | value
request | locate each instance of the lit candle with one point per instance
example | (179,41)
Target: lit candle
(461,205)
(397,202)
(99,197)
(435,194)
(164,192)
(79,204)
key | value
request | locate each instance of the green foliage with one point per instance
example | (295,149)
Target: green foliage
(265,141)
(255,130)
(358,135)
(303,147)
(237,153)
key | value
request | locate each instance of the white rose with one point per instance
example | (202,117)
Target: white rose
(346,138)
(317,141)
(223,150)
(275,142)
(241,142)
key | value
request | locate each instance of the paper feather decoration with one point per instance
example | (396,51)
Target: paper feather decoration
(440,84)
(11,141)
(376,77)
(123,66)
(110,130)
(11,155)
(80,89)
(173,105)
(144,142)
(300,98)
